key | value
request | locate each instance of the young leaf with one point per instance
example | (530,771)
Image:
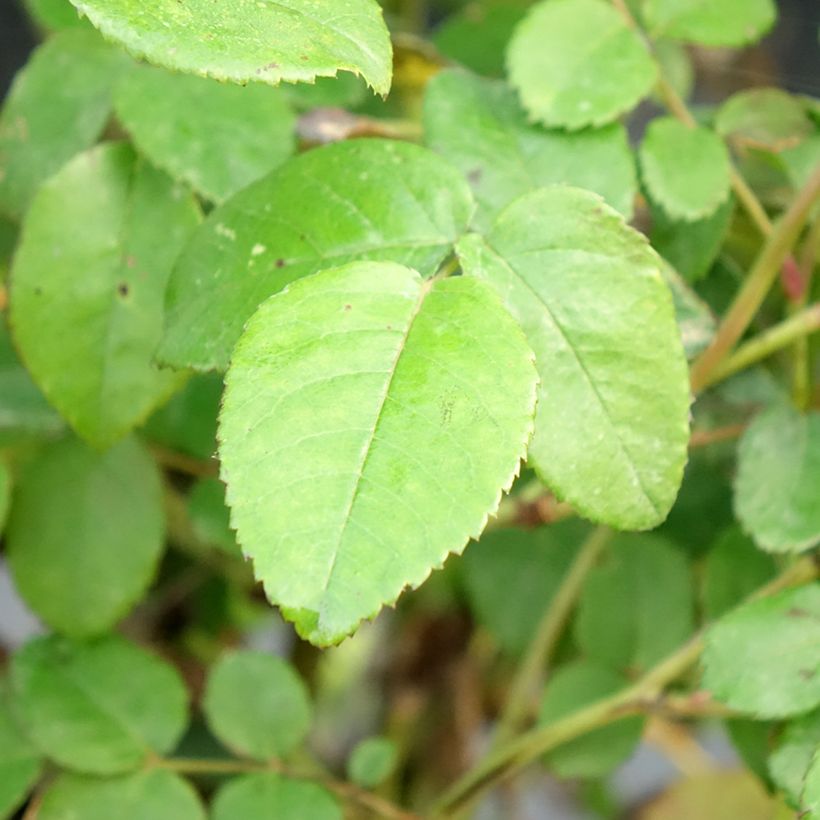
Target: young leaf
(257,705)
(791,761)
(151,794)
(531,562)
(372,761)
(386,415)
(268,796)
(612,422)
(86,534)
(712,23)
(291,40)
(734,569)
(360,199)
(637,605)
(766,118)
(478,125)
(216,137)
(58,106)
(763,657)
(88,285)
(778,474)
(686,170)
(20,763)
(98,707)
(691,247)
(598,752)
(577,63)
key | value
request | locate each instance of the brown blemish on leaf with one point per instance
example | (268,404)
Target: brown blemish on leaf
(280,263)
(122,289)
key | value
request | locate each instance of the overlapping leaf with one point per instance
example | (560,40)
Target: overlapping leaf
(291,40)
(384,415)
(88,287)
(363,199)
(612,421)
(20,762)
(478,125)
(267,795)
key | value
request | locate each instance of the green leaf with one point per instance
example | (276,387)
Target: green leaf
(359,199)
(636,606)
(5,494)
(152,794)
(267,796)
(763,657)
(734,569)
(58,105)
(764,117)
(210,517)
(477,36)
(696,322)
(188,421)
(777,478)
(596,753)
(86,534)
(710,22)
(291,40)
(257,705)
(686,170)
(54,15)
(385,415)
(612,423)
(791,761)
(578,63)
(372,761)
(20,763)
(116,225)
(23,409)
(478,126)
(216,137)
(811,790)
(98,707)
(533,563)
(691,247)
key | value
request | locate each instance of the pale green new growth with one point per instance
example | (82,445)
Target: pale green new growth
(710,22)
(216,137)
(88,287)
(686,170)
(577,63)
(479,126)
(612,421)
(363,199)
(86,534)
(267,795)
(370,424)
(764,657)
(151,794)
(262,40)
(98,707)
(777,488)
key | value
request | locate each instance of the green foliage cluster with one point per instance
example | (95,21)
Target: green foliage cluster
(305,342)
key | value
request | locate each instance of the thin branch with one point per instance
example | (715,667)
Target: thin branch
(702,438)
(758,283)
(528,677)
(632,700)
(801,378)
(182,463)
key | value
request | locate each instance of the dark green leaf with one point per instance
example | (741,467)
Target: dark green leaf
(210,518)
(360,199)
(612,421)
(58,106)
(386,415)
(86,534)
(216,137)
(478,125)
(764,657)
(268,796)
(20,763)
(54,15)
(98,707)
(257,705)
(88,327)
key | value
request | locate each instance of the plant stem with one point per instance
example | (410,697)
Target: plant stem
(801,378)
(798,326)
(182,463)
(633,699)
(760,279)
(702,438)
(528,677)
